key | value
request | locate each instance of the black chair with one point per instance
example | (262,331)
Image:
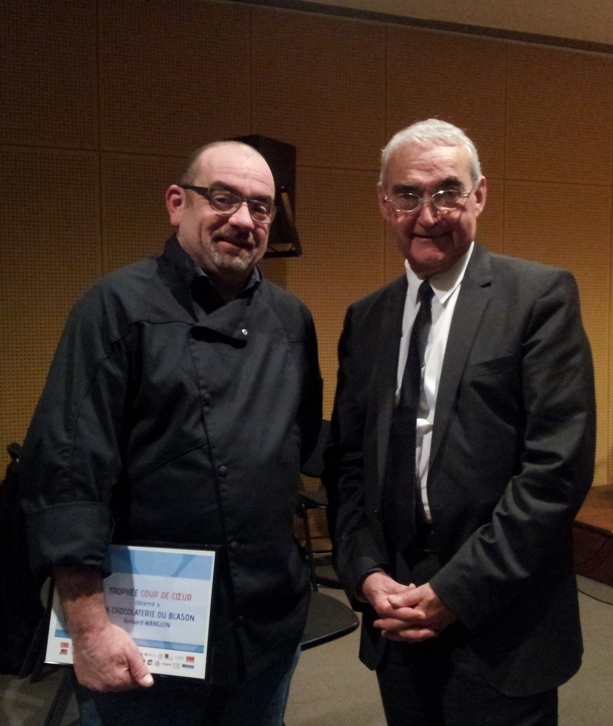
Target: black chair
(327,620)
(322,572)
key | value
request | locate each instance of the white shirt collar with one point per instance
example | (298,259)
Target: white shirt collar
(444,283)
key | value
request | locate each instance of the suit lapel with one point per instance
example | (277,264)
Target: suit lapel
(473,298)
(387,367)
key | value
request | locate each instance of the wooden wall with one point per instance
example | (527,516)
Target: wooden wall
(101,100)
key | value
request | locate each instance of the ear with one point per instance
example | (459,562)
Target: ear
(480,195)
(386,211)
(175,204)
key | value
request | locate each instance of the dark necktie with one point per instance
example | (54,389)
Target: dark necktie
(400,481)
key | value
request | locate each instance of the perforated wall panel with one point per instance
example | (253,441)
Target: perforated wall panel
(49,227)
(173,75)
(459,79)
(539,228)
(48,73)
(559,116)
(319,83)
(343,256)
(102,101)
(490,226)
(134,218)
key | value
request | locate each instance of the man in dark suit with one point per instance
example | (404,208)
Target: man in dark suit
(457,464)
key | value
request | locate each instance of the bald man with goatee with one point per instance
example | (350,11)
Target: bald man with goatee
(182,399)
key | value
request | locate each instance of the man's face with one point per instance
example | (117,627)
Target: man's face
(432,241)
(227,247)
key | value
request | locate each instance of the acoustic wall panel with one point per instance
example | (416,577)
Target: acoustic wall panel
(134,217)
(275,269)
(343,253)
(541,224)
(605,419)
(176,75)
(452,77)
(173,75)
(48,85)
(394,259)
(490,225)
(541,227)
(49,227)
(559,116)
(319,83)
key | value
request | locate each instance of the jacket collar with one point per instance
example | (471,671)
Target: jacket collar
(472,301)
(188,283)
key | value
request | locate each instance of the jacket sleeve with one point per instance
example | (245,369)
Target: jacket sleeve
(71,455)
(310,413)
(528,538)
(353,521)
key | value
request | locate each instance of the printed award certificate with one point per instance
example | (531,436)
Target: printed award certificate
(162,598)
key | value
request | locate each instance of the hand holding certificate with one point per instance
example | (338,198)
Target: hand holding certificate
(162,598)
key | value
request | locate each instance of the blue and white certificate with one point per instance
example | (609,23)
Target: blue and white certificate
(162,598)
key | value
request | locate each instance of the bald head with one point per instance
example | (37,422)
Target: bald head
(200,155)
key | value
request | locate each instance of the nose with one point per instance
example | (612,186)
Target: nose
(428,214)
(242,217)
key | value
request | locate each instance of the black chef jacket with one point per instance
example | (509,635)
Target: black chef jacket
(170,417)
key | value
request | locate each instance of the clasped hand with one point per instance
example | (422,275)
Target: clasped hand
(406,613)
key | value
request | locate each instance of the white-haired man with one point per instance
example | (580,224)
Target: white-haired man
(462,446)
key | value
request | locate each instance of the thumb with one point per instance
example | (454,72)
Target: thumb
(138,669)
(406,598)
(397,600)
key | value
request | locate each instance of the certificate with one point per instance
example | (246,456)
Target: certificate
(162,598)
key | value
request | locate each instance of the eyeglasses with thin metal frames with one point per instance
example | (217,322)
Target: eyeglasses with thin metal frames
(445,200)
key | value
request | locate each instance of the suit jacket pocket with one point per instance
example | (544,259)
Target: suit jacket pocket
(493,367)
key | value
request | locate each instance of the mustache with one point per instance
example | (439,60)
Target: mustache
(234,236)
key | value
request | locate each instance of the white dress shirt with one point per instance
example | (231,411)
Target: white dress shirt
(446,287)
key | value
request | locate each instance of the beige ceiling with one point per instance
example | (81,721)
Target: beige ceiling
(579,20)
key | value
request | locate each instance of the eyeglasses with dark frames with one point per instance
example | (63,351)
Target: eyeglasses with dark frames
(226,202)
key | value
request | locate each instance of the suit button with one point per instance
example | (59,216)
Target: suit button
(234,546)
(207,398)
(222,471)
(239,619)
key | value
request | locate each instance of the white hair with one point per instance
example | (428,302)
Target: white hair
(436,132)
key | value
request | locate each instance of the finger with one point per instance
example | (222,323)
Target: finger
(391,624)
(139,671)
(402,627)
(404,599)
(410,615)
(406,618)
(410,635)
(384,608)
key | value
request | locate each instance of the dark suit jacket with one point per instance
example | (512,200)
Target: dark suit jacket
(512,459)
